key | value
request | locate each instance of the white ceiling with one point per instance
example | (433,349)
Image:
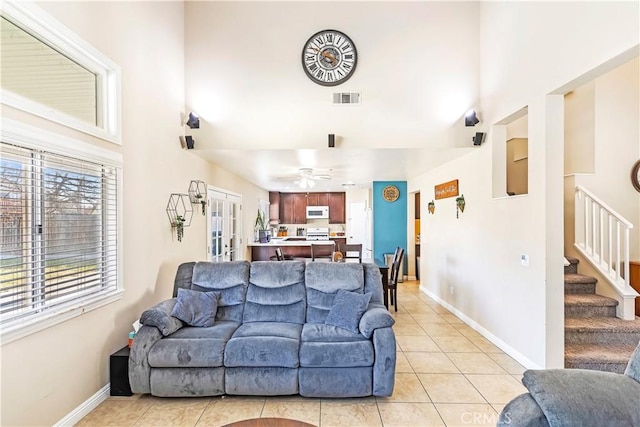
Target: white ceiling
(277,170)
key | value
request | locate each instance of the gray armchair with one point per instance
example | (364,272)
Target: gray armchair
(577,397)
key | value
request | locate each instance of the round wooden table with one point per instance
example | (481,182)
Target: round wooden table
(269,422)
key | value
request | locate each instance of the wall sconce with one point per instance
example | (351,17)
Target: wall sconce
(460,204)
(471,118)
(431,207)
(332,140)
(187,142)
(198,194)
(180,212)
(193,121)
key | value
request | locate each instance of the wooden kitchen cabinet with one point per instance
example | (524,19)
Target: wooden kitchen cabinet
(318,199)
(274,207)
(337,210)
(286,208)
(293,208)
(417,203)
(299,208)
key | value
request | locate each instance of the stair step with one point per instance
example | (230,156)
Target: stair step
(589,305)
(573,267)
(601,330)
(611,358)
(579,284)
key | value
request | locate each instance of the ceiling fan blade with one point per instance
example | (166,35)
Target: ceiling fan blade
(321,177)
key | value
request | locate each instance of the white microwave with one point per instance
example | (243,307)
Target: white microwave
(317,212)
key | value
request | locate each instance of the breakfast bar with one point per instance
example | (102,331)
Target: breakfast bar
(296,247)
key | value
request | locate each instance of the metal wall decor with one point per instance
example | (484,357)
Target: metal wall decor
(180,212)
(431,207)
(198,194)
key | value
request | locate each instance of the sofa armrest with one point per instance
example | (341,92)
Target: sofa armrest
(160,316)
(384,365)
(139,369)
(375,317)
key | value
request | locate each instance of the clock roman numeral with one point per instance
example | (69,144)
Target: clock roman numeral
(349,56)
(345,47)
(319,41)
(329,38)
(346,66)
(313,67)
(310,58)
(330,76)
(320,74)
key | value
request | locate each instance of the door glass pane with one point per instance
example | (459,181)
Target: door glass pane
(217,223)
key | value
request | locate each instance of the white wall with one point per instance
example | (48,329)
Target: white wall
(48,374)
(478,254)
(244,73)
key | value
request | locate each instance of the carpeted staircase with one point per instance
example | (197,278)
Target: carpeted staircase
(594,338)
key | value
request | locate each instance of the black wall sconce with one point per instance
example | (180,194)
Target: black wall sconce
(193,121)
(479,138)
(471,118)
(187,142)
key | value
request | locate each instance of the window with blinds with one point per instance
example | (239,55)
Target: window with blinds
(58,232)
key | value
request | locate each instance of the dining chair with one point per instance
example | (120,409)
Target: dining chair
(322,252)
(351,251)
(394,274)
(279,254)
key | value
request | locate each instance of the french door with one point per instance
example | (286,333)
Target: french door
(224,228)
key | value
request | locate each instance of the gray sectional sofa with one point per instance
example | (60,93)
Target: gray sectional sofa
(274,333)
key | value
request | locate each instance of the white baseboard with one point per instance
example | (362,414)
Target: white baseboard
(519,357)
(85,407)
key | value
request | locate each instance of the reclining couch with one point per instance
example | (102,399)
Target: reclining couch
(577,397)
(274,333)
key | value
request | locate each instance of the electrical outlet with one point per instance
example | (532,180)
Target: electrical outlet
(524,260)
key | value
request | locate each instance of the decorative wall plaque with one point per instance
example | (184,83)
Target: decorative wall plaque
(390,193)
(446,189)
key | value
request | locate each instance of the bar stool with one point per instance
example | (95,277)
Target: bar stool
(351,251)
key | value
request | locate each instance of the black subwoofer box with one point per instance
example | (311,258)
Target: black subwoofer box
(119,373)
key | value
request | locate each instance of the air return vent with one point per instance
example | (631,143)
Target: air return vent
(346,98)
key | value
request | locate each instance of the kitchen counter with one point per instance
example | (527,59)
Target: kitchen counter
(291,241)
(294,246)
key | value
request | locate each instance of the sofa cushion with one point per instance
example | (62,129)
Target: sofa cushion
(262,344)
(196,308)
(323,280)
(583,397)
(160,316)
(276,292)
(193,347)
(347,310)
(329,346)
(231,279)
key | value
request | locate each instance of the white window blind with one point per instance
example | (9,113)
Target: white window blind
(58,231)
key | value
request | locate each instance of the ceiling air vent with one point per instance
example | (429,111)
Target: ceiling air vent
(346,98)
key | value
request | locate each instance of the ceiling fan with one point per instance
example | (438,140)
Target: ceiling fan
(306,177)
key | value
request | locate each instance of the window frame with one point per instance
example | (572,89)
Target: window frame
(30,137)
(53,33)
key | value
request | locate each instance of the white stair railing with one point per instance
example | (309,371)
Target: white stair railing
(602,237)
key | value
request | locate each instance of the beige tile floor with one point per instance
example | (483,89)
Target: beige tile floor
(446,375)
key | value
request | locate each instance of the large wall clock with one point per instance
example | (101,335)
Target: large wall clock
(329,57)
